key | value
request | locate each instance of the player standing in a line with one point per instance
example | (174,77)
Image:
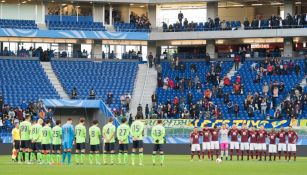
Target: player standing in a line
(206,133)
(122,133)
(282,146)
(95,136)
(25,137)
(253,145)
(137,133)
(80,134)
(158,134)
(68,139)
(16,142)
(46,142)
(108,132)
(224,141)
(56,142)
(292,139)
(244,145)
(272,146)
(214,144)
(195,146)
(234,144)
(262,135)
(36,136)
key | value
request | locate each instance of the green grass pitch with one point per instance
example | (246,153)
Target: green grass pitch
(174,165)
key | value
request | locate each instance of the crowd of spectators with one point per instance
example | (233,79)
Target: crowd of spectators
(141,22)
(275,21)
(132,54)
(43,55)
(10,115)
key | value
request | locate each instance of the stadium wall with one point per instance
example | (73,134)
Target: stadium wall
(172,149)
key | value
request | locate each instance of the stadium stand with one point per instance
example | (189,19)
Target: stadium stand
(56,22)
(24,80)
(18,24)
(103,77)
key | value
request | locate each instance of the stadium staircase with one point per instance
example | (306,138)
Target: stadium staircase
(145,86)
(54,80)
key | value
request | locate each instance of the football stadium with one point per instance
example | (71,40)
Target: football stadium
(153,87)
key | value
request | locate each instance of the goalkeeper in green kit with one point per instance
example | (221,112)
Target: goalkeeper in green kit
(122,134)
(158,134)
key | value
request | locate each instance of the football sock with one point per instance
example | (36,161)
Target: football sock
(133,157)
(198,154)
(153,157)
(162,158)
(125,158)
(48,157)
(216,153)
(192,154)
(289,154)
(203,154)
(119,157)
(285,153)
(91,158)
(26,157)
(274,156)
(97,155)
(209,155)
(104,158)
(238,154)
(63,157)
(68,157)
(226,153)
(141,157)
(279,154)
(19,156)
(294,156)
(58,158)
(112,158)
(39,156)
(77,157)
(82,158)
(53,157)
(32,157)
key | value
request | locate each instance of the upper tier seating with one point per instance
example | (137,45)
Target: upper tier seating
(56,22)
(19,24)
(103,77)
(24,80)
(129,27)
(202,26)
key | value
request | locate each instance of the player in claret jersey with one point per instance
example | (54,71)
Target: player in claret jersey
(253,146)
(244,146)
(195,147)
(262,135)
(282,146)
(234,144)
(292,139)
(272,146)
(206,133)
(214,144)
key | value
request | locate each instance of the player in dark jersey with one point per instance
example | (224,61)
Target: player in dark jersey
(253,146)
(272,146)
(206,133)
(262,135)
(292,139)
(244,146)
(234,144)
(282,145)
(214,144)
(195,147)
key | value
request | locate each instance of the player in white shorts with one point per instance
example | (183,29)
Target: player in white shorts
(253,146)
(206,133)
(262,135)
(292,139)
(272,146)
(244,145)
(214,144)
(195,146)
(282,146)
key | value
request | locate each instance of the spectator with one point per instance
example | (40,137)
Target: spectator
(150,59)
(250,111)
(147,111)
(236,62)
(237,88)
(154,99)
(230,106)
(227,81)
(263,107)
(74,93)
(92,94)
(180,17)
(236,109)
(265,89)
(208,94)
(42,114)
(109,98)
(246,23)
